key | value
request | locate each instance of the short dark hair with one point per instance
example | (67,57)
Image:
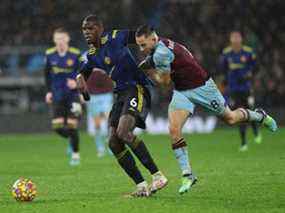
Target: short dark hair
(94,18)
(236,31)
(145,29)
(61,30)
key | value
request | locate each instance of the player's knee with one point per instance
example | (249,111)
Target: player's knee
(57,123)
(122,134)
(175,132)
(230,118)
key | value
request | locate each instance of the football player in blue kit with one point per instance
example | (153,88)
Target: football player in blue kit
(238,62)
(62,64)
(109,52)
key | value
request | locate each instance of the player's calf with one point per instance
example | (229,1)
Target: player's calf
(125,159)
(237,116)
(72,127)
(124,132)
(62,131)
(246,115)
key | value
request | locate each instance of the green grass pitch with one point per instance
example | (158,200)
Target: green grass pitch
(229,181)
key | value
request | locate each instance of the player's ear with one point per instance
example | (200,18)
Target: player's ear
(68,38)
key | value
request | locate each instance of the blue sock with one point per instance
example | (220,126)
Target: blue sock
(254,116)
(181,154)
(99,141)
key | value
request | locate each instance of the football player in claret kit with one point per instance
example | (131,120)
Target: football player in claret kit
(108,51)
(62,64)
(170,61)
(100,88)
(237,62)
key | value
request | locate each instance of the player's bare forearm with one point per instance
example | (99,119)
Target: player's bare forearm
(163,79)
(148,67)
(81,83)
(82,86)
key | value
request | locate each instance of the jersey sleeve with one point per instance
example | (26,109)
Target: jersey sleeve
(162,58)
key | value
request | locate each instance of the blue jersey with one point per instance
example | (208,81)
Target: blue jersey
(115,58)
(59,69)
(238,67)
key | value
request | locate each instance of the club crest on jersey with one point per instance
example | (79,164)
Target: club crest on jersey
(69,62)
(107,60)
(243,59)
(104,39)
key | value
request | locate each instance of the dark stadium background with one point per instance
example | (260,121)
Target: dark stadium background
(26,28)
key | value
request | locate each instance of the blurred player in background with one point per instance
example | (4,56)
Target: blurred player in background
(170,61)
(237,62)
(109,52)
(62,64)
(100,87)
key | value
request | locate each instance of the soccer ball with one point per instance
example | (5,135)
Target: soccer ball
(24,190)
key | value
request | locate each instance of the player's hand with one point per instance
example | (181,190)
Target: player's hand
(81,98)
(49,98)
(71,83)
(147,63)
(250,101)
(81,83)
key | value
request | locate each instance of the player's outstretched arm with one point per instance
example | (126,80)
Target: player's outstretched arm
(154,72)
(162,79)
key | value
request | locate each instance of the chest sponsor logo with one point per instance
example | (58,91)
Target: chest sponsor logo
(107,60)
(104,39)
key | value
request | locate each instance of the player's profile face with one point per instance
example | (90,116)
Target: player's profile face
(90,31)
(61,39)
(146,44)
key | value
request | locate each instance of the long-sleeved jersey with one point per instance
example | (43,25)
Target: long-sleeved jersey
(115,58)
(238,67)
(58,69)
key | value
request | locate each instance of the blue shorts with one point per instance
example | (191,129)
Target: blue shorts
(99,104)
(207,96)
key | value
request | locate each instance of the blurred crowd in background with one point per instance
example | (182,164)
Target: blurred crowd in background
(203,25)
